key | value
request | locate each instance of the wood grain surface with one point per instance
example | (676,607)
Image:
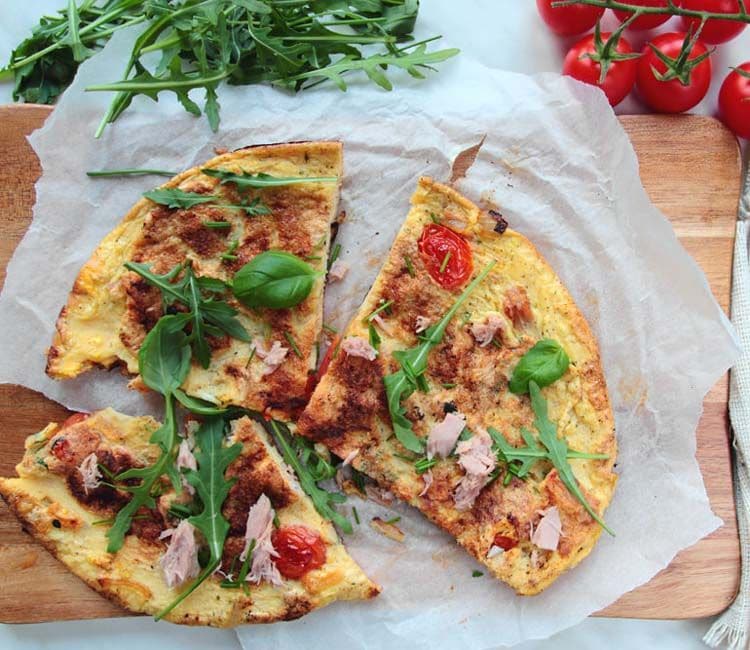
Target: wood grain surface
(690,167)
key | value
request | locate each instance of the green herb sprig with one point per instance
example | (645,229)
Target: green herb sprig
(274,279)
(164,361)
(213,459)
(310,468)
(413,362)
(177,198)
(544,364)
(246,180)
(207,314)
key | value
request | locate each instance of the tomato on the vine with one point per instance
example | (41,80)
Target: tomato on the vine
(714,31)
(648,21)
(571,20)
(581,63)
(734,100)
(673,74)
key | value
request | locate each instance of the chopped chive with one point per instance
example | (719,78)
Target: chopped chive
(99,173)
(434,218)
(496,343)
(411,459)
(109,522)
(250,358)
(330,328)
(228,255)
(393,520)
(276,522)
(448,384)
(320,243)
(476,574)
(356,514)
(385,306)
(293,343)
(423,464)
(444,264)
(334,255)
(409,266)
(217,224)
(313,258)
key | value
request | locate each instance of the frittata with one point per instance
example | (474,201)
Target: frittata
(528,530)
(111,309)
(69,514)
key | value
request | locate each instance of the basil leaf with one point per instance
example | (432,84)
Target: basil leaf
(164,357)
(274,279)
(176,198)
(544,364)
(245,180)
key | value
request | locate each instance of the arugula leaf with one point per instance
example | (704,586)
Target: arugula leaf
(413,362)
(260,180)
(212,488)
(309,470)
(544,364)
(177,198)
(291,43)
(274,279)
(102,173)
(164,358)
(205,312)
(142,495)
(558,450)
(198,406)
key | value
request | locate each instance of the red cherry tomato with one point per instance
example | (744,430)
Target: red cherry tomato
(300,550)
(568,21)
(446,254)
(621,74)
(74,419)
(672,96)
(714,31)
(648,21)
(734,101)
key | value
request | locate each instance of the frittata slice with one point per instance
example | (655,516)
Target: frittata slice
(58,504)
(519,303)
(110,309)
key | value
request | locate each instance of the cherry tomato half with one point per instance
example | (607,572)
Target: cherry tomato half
(446,254)
(568,21)
(620,77)
(300,550)
(648,21)
(734,101)
(714,31)
(671,96)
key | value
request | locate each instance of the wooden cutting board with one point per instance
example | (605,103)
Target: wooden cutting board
(690,167)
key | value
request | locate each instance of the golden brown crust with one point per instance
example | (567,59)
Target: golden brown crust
(524,295)
(66,525)
(110,310)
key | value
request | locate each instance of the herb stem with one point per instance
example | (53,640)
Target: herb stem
(101,173)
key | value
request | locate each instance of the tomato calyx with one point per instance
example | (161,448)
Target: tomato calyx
(680,67)
(605,52)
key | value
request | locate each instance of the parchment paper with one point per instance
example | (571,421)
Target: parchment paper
(558,165)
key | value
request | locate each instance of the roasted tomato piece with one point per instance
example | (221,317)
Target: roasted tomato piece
(504,542)
(300,550)
(447,255)
(74,419)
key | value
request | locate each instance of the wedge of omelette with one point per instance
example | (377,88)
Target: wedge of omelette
(110,309)
(526,531)
(65,498)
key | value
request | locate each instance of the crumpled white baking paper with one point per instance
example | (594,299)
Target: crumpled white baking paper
(558,165)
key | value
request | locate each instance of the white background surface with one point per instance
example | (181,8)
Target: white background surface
(522,44)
